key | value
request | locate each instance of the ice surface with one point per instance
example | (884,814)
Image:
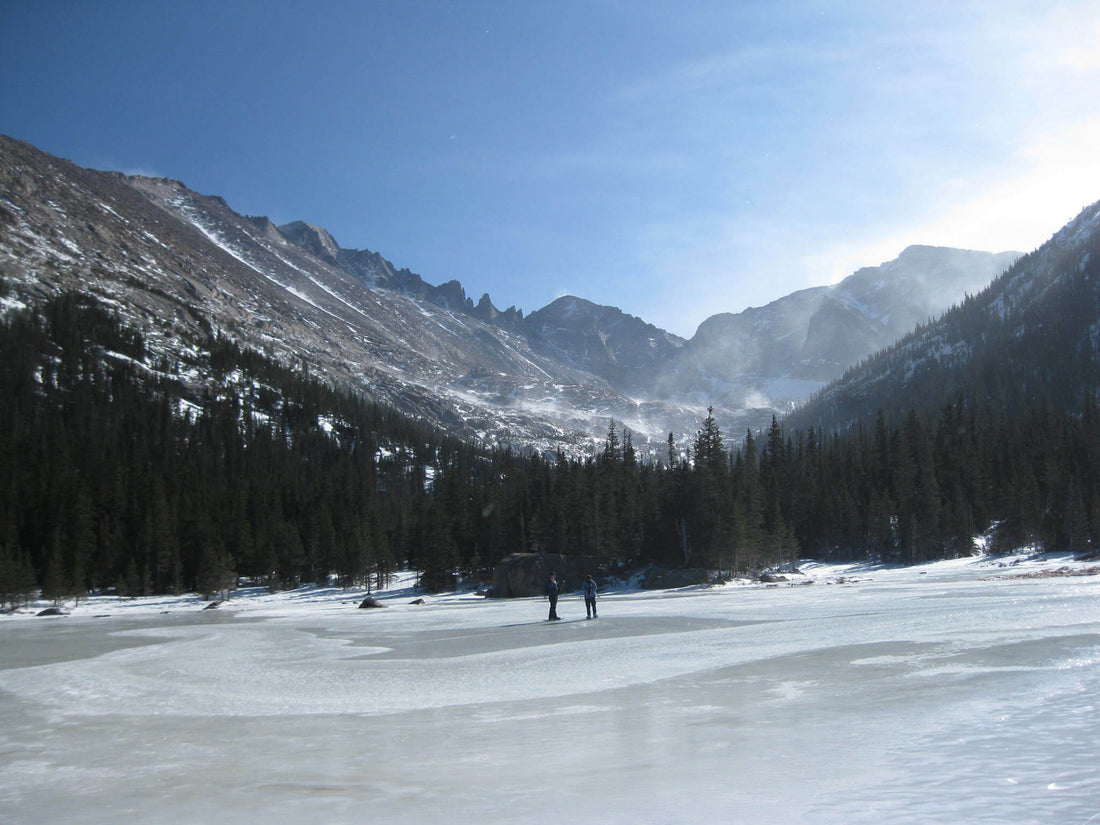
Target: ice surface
(948,693)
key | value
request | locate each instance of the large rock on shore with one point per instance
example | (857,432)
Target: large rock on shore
(660,578)
(525,574)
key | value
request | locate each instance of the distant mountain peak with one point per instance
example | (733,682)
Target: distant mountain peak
(571,309)
(1032,333)
(779,354)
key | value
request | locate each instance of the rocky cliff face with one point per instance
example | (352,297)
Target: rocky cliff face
(620,348)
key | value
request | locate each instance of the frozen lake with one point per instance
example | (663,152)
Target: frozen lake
(949,693)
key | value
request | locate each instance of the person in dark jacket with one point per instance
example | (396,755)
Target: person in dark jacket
(590,597)
(552,595)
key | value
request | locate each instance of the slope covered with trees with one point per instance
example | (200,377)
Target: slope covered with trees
(120,469)
(1031,338)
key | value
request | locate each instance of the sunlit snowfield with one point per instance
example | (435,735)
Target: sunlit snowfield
(948,693)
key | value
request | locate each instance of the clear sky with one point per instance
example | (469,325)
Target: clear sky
(675,159)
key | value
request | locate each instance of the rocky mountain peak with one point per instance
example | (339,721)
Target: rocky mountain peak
(623,349)
(510,318)
(314,239)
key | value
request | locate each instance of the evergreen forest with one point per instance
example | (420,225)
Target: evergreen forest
(124,470)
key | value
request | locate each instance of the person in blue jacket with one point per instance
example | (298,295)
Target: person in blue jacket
(552,595)
(590,597)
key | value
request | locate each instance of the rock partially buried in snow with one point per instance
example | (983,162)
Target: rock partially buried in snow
(370,601)
(51,611)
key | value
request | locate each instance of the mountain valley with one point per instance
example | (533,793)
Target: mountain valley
(183,267)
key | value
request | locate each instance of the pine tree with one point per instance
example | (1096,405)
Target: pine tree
(216,577)
(709,450)
(708,521)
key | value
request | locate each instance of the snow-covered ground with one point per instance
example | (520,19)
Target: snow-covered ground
(957,692)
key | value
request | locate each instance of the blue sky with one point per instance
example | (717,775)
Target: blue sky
(673,159)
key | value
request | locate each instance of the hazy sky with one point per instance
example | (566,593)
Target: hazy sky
(675,159)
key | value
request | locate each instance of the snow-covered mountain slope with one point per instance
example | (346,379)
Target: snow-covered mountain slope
(183,267)
(1032,336)
(777,355)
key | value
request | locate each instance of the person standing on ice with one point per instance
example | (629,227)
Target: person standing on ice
(552,595)
(590,598)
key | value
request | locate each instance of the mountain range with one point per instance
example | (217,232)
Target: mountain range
(1029,339)
(185,268)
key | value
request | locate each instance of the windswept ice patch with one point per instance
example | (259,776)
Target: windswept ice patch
(266,668)
(230,669)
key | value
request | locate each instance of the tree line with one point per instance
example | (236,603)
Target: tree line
(121,471)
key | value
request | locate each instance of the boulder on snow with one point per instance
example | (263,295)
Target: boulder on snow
(768,577)
(663,578)
(212,606)
(51,611)
(417,601)
(370,601)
